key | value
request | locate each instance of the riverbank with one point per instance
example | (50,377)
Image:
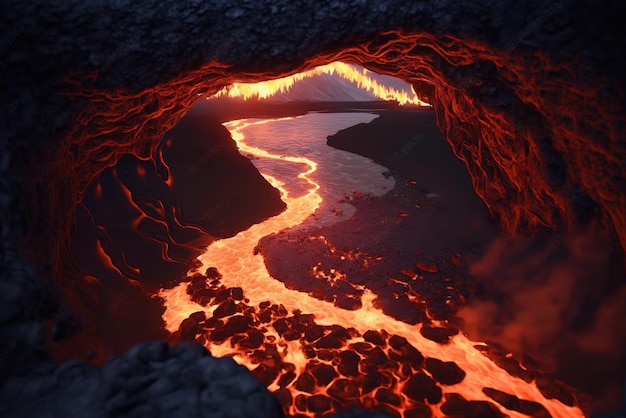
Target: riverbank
(431,217)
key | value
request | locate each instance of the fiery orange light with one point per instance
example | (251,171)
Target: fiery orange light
(266,89)
(235,259)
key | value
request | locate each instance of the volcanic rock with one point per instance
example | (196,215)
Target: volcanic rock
(401,308)
(237,293)
(213,323)
(291,335)
(372,380)
(406,370)
(198,282)
(309,352)
(286,379)
(447,373)
(265,374)
(552,389)
(239,323)
(304,319)
(313,332)
(361,348)
(150,379)
(511,365)
(281,326)
(440,308)
(482,409)
(513,403)
(375,358)
(454,405)
(324,374)
(318,403)
(188,329)
(438,335)
(428,266)
(349,363)
(279,310)
(329,341)
(227,308)
(421,387)
(203,296)
(212,273)
(222,333)
(406,351)
(301,402)
(327,355)
(265,316)
(343,390)
(284,396)
(222,294)
(305,383)
(387,396)
(349,303)
(254,339)
(375,338)
(296,324)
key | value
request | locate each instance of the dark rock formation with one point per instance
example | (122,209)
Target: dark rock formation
(529,95)
(151,379)
(445,372)
(513,403)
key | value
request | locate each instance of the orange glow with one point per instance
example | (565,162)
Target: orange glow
(501,155)
(235,259)
(106,259)
(266,89)
(168,180)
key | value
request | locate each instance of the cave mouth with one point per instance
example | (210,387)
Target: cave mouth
(122,196)
(402,303)
(413,57)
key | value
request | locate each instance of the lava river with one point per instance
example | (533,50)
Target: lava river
(318,358)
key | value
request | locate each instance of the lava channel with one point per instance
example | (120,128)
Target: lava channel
(317,358)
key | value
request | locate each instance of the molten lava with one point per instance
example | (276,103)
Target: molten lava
(360,77)
(509,161)
(318,358)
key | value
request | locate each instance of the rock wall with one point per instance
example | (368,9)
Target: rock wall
(528,94)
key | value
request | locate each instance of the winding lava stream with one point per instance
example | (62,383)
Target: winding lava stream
(234,258)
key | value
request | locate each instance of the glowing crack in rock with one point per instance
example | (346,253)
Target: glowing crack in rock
(235,259)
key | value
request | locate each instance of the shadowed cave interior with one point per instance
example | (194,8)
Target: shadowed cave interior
(537,128)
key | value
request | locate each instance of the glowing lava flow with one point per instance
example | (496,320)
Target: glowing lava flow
(235,259)
(265,89)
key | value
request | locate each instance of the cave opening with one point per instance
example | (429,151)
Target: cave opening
(315,364)
(156,199)
(499,174)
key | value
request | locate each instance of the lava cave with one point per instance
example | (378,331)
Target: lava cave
(101,113)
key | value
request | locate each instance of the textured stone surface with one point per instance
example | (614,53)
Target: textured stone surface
(151,379)
(528,95)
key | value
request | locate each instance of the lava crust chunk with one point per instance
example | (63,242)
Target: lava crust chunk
(150,380)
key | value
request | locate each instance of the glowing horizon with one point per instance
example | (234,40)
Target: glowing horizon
(357,75)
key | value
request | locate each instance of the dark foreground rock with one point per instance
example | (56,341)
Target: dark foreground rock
(150,380)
